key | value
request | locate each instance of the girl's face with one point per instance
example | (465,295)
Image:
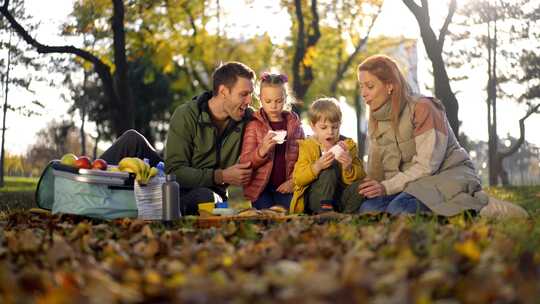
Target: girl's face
(326,132)
(272,101)
(374,92)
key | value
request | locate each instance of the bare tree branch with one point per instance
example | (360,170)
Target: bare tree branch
(444,29)
(360,46)
(514,147)
(44,49)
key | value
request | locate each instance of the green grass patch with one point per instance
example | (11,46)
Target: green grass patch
(526,196)
(19,184)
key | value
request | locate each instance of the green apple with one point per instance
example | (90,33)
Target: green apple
(68,159)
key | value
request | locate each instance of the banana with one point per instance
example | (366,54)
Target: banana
(128,163)
(143,172)
(132,165)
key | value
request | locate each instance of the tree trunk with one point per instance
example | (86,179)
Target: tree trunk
(360,136)
(124,119)
(96,141)
(116,89)
(434,48)
(6,83)
(305,41)
(82,109)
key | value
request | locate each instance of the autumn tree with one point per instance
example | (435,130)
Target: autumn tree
(15,55)
(434,45)
(114,83)
(498,37)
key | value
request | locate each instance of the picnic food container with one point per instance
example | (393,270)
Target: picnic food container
(94,193)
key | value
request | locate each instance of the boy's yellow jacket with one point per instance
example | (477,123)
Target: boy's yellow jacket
(303,175)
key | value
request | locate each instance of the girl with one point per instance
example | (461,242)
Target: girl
(271,158)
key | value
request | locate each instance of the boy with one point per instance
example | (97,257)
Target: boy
(328,166)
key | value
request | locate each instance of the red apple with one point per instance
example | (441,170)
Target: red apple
(99,164)
(83,162)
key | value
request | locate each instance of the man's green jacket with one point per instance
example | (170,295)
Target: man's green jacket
(195,149)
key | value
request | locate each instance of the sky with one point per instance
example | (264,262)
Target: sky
(395,20)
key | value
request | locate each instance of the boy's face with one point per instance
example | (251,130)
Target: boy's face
(326,132)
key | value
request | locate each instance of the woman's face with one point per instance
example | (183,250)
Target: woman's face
(374,92)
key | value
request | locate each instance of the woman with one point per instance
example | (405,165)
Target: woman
(415,162)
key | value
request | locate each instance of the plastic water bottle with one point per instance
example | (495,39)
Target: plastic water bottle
(161,169)
(171,199)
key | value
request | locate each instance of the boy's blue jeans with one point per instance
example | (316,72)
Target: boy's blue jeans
(271,197)
(394,204)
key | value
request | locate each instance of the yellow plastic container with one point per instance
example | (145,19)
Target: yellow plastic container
(207,207)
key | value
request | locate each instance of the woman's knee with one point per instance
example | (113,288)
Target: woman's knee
(406,203)
(378,204)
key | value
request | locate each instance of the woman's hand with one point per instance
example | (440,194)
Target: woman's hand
(345,158)
(371,188)
(323,162)
(267,144)
(286,187)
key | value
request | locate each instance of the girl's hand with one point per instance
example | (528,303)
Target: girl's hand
(286,187)
(371,188)
(267,144)
(324,162)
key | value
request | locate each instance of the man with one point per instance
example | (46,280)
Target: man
(204,138)
(203,141)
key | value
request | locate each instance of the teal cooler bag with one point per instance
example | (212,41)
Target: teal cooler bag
(92,193)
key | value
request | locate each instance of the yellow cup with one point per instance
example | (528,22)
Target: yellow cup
(207,207)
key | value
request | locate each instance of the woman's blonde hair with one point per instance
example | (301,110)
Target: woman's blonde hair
(324,108)
(277,80)
(387,71)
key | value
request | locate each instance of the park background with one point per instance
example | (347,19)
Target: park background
(56,103)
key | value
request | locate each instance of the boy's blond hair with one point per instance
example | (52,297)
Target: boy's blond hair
(324,108)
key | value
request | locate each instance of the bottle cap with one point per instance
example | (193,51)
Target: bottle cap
(170,177)
(160,165)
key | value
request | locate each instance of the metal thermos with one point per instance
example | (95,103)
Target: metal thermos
(171,198)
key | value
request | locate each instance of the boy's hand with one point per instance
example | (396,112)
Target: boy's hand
(286,187)
(324,162)
(345,158)
(238,174)
(267,144)
(346,161)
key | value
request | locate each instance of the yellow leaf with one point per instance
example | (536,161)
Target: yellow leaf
(176,280)
(227,261)
(468,249)
(152,277)
(310,55)
(481,231)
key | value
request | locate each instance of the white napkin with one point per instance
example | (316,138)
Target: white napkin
(337,150)
(279,136)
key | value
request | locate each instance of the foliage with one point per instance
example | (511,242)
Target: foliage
(66,259)
(53,141)
(20,56)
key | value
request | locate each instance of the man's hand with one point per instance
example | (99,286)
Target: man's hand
(324,162)
(286,187)
(371,188)
(238,174)
(267,144)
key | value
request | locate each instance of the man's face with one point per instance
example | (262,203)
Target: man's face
(238,98)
